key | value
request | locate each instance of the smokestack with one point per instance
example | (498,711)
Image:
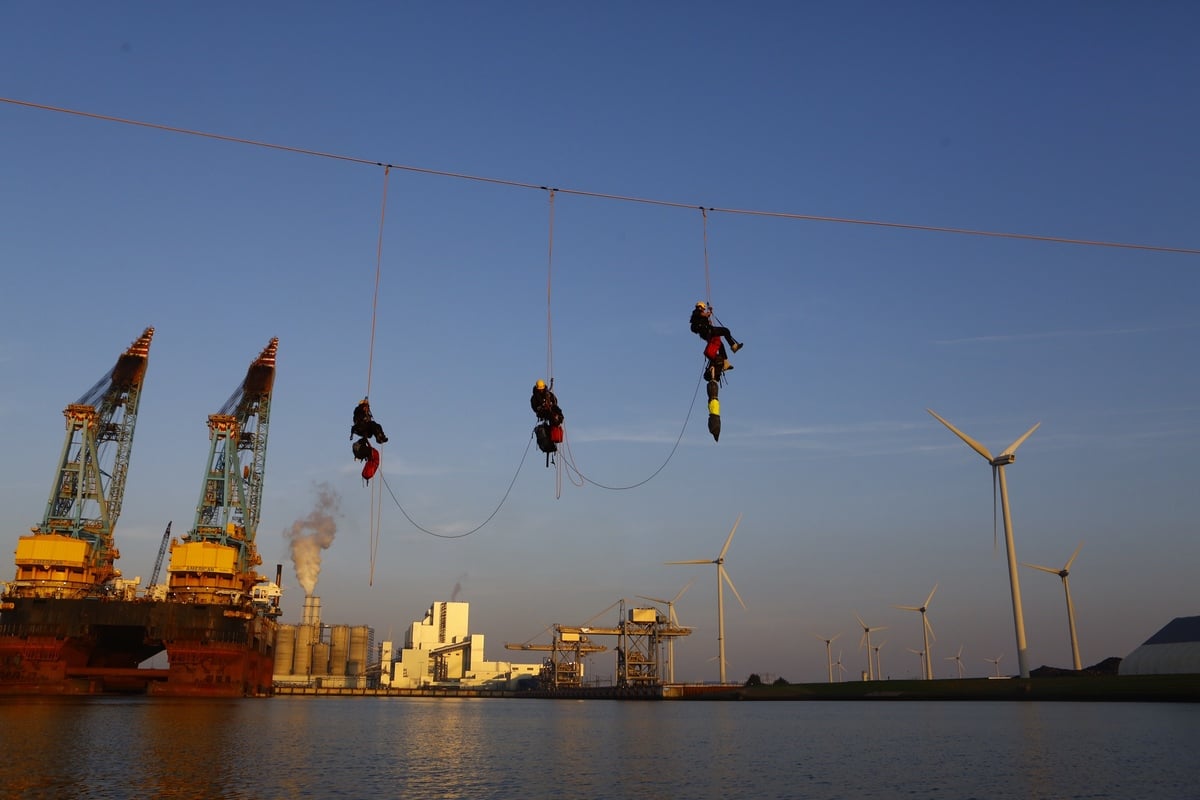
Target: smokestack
(279,583)
(311,614)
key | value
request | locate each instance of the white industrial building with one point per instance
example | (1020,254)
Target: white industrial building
(1174,650)
(439,650)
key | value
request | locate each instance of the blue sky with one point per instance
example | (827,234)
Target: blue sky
(1076,120)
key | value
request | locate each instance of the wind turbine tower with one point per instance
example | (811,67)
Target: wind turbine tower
(829,653)
(926,630)
(957,659)
(1063,573)
(998,464)
(670,604)
(722,579)
(866,641)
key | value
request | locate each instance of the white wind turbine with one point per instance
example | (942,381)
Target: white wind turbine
(670,604)
(722,579)
(926,630)
(841,669)
(995,661)
(829,653)
(866,641)
(957,659)
(879,661)
(1063,573)
(920,654)
(998,464)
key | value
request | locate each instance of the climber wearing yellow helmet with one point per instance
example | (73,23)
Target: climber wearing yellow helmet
(702,326)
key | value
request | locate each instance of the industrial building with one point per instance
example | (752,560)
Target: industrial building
(1174,650)
(439,650)
(329,656)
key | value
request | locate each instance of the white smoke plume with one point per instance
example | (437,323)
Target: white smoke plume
(307,537)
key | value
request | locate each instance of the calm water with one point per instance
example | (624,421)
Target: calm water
(531,749)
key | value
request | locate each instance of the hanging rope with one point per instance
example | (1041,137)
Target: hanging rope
(568,458)
(549,284)
(478,527)
(707,282)
(376,498)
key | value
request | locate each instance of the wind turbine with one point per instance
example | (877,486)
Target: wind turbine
(957,659)
(829,653)
(920,654)
(995,661)
(1063,573)
(866,640)
(670,604)
(722,579)
(998,464)
(926,630)
(878,661)
(841,669)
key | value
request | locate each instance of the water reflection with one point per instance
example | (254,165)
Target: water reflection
(294,748)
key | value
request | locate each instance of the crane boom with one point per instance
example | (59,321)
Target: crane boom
(71,553)
(162,552)
(215,561)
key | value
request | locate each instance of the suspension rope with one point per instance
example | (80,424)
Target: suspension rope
(376,498)
(707,281)
(569,458)
(549,282)
(478,527)
(607,196)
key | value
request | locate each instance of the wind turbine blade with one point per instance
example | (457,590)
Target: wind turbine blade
(1071,560)
(1012,448)
(860,621)
(729,581)
(931,591)
(907,608)
(929,627)
(729,539)
(694,561)
(686,586)
(1039,566)
(974,445)
(653,599)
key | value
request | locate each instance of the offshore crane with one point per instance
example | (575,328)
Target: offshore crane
(71,554)
(215,561)
(153,590)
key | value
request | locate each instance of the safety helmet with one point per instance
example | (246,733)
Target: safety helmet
(541,384)
(701,305)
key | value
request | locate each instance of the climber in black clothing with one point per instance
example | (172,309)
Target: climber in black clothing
(365,425)
(701,323)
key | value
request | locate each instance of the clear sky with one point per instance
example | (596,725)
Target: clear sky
(1072,119)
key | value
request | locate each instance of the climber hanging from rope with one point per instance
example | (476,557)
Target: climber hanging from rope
(716,359)
(548,431)
(365,427)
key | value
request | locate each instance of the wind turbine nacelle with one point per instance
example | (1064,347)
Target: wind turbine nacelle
(1004,460)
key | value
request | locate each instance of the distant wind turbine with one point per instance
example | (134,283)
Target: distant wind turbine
(841,669)
(1063,573)
(722,578)
(866,641)
(829,652)
(995,661)
(878,661)
(926,630)
(920,654)
(998,464)
(957,659)
(670,604)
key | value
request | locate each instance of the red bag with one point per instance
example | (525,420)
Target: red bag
(714,347)
(556,434)
(372,465)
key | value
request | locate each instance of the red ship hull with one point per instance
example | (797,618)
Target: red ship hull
(89,647)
